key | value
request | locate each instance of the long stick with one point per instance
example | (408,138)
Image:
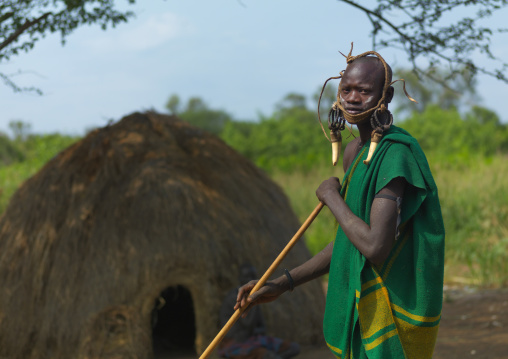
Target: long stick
(262,281)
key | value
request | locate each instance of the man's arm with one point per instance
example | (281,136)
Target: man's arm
(311,269)
(374,241)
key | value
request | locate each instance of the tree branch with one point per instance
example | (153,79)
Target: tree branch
(368,11)
(28,24)
(7,81)
(415,47)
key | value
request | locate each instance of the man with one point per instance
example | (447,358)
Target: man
(386,264)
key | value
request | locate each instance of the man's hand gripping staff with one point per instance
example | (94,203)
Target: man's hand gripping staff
(268,292)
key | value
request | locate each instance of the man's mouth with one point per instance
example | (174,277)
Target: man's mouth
(354,111)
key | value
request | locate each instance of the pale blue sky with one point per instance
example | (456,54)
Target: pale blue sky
(240,56)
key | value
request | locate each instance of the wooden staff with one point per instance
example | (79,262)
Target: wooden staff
(262,281)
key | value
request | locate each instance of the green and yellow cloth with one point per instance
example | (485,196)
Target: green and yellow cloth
(392,310)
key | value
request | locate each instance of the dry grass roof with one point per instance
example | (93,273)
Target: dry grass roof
(90,241)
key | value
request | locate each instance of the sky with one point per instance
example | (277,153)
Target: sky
(242,56)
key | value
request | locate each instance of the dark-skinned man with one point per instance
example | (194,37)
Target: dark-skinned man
(386,263)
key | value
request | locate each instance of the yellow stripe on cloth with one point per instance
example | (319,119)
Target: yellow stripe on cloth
(418,341)
(375,313)
(381,339)
(335,350)
(371,283)
(418,318)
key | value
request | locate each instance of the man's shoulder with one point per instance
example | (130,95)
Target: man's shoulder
(402,141)
(399,135)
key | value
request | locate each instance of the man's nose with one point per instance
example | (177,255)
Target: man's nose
(354,97)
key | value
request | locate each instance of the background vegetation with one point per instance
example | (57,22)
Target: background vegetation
(23,154)
(466,145)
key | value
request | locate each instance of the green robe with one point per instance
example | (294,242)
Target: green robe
(392,310)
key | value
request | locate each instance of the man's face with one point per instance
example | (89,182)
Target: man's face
(361,86)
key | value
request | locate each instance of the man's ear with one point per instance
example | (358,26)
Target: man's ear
(389,94)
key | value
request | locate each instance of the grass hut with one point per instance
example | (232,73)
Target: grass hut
(148,212)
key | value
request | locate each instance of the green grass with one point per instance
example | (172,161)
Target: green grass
(38,150)
(474,201)
(300,187)
(11,177)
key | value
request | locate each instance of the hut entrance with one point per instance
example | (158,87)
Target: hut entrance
(173,323)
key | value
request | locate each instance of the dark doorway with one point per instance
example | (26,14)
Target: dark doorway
(173,323)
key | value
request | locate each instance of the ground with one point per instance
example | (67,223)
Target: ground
(474,325)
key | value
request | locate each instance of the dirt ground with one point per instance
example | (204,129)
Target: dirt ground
(474,325)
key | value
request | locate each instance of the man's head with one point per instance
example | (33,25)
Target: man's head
(364,93)
(364,86)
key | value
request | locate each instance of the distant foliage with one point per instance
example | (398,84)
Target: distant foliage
(447,136)
(198,113)
(289,139)
(292,139)
(428,92)
(41,148)
(9,152)
(24,155)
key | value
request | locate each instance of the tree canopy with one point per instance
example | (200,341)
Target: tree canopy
(199,114)
(436,32)
(24,22)
(428,92)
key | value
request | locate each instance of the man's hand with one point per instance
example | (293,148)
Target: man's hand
(329,187)
(267,293)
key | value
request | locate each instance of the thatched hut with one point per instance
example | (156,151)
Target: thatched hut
(146,208)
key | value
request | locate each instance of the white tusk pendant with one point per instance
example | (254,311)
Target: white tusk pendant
(336,146)
(375,138)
